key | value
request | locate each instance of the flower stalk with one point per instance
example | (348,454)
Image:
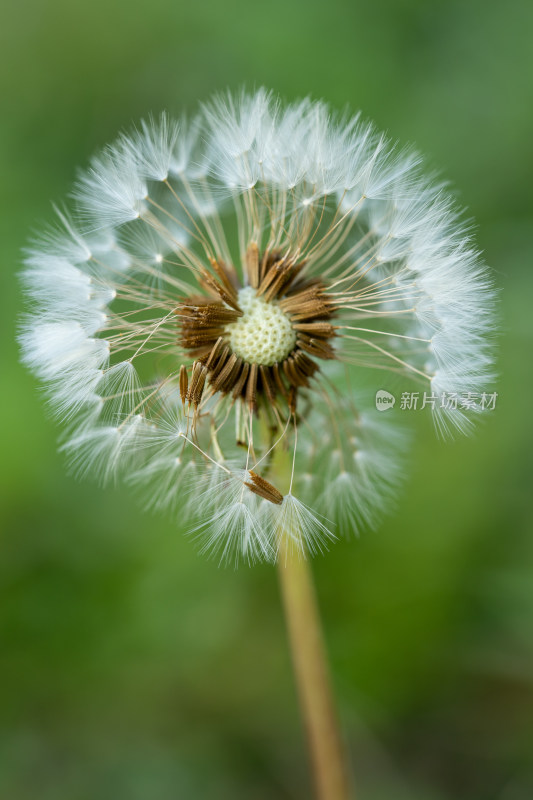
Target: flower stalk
(326,748)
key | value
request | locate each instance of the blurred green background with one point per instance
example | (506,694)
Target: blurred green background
(130,667)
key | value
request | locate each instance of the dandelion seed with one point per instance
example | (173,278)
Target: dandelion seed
(190,317)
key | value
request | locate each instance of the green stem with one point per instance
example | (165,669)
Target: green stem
(312,677)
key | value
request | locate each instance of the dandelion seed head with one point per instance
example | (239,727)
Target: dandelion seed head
(201,317)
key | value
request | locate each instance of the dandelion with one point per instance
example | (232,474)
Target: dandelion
(204,319)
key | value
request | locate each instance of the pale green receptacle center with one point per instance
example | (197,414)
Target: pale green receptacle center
(264,334)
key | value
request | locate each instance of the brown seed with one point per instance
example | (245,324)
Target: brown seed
(269,257)
(306,365)
(215,352)
(223,273)
(279,380)
(282,282)
(317,329)
(200,336)
(212,286)
(251,386)
(184,383)
(241,380)
(230,381)
(274,270)
(268,384)
(293,374)
(196,386)
(221,362)
(311,309)
(219,377)
(293,397)
(316,347)
(252,265)
(264,489)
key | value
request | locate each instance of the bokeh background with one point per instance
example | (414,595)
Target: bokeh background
(130,667)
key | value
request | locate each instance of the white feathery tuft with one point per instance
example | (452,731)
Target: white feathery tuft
(231,522)
(152,148)
(49,348)
(105,451)
(300,529)
(113,191)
